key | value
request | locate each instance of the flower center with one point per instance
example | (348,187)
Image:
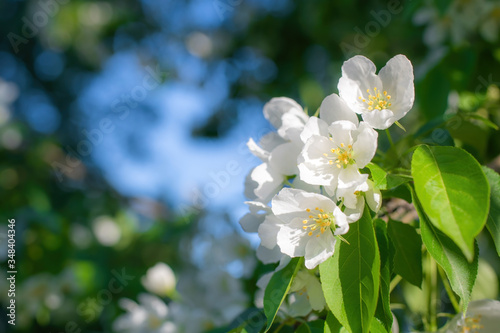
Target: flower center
(377,101)
(342,155)
(318,221)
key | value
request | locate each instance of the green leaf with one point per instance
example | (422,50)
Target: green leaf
(278,288)
(408,252)
(383,180)
(493,222)
(383,311)
(433,92)
(252,320)
(316,326)
(350,278)
(453,192)
(304,328)
(332,325)
(486,285)
(461,273)
(377,327)
(379,176)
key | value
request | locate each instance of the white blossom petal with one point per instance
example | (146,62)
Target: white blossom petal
(277,107)
(397,78)
(269,256)
(251,222)
(263,183)
(283,159)
(270,141)
(358,75)
(379,119)
(314,126)
(257,151)
(351,177)
(333,108)
(354,214)
(319,249)
(292,240)
(373,197)
(268,231)
(365,146)
(313,165)
(341,132)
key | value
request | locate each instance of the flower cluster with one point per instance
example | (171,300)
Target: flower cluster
(311,166)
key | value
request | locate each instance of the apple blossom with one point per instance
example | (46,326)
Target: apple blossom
(332,159)
(149,316)
(308,224)
(278,151)
(380,99)
(354,198)
(305,294)
(159,279)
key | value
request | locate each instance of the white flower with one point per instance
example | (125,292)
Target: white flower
(305,294)
(269,251)
(308,285)
(149,316)
(278,151)
(159,279)
(332,159)
(251,221)
(354,198)
(380,99)
(308,225)
(482,317)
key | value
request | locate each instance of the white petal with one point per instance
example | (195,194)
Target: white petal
(299,305)
(353,215)
(331,190)
(292,126)
(292,239)
(250,222)
(365,146)
(269,256)
(379,119)
(285,202)
(358,75)
(314,126)
(319,249)
(397,79)
(277,107)
(313,165)
(268,231)
(341,132)
(257,207)
(333,108)
(256,150)
(373,197)
(302,185)
(349,197)
(341,221)
(350,177)
(263,183)
(315,293)
(270,141)
(283,159)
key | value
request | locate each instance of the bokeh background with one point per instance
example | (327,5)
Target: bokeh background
(123,129)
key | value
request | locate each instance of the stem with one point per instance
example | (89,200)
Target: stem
(287,182)
(389,137)
(450,293)
(394,283)
(280,327)
(432,294)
